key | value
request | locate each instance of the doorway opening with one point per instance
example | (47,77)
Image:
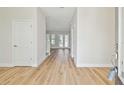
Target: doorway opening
(58,41)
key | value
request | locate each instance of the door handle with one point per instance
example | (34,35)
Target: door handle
(15,46)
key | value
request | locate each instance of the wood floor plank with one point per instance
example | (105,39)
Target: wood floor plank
(57,69)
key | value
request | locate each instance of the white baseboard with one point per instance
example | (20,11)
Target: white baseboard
(6,65)
(60,47)
(34,65)
(94,65)
(11,65)
(5,62)
(42,60)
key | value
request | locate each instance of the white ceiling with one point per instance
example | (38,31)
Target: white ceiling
(58,19)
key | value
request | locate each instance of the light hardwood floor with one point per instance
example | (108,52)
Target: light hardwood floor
(58,69)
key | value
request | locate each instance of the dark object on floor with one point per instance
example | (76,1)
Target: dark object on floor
(113,72)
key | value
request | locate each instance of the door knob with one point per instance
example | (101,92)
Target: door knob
(15,46)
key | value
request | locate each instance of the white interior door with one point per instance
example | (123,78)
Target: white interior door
(22,43)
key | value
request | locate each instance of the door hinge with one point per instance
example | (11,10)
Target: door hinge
(31,26)
(31,42)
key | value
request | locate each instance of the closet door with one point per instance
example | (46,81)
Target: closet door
(22,48)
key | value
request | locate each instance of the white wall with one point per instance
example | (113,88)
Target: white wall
(74,36)
(121,43)
(116,33)
(95,36)
(41,36)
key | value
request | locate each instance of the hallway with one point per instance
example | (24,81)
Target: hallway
(58,68)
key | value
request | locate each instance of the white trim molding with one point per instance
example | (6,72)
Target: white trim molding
(94,65)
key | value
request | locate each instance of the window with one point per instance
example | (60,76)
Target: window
(48,44)
(66,40)
(61,40)
(52,39)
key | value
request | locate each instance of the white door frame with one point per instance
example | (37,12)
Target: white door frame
(120,52)
(13,22)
